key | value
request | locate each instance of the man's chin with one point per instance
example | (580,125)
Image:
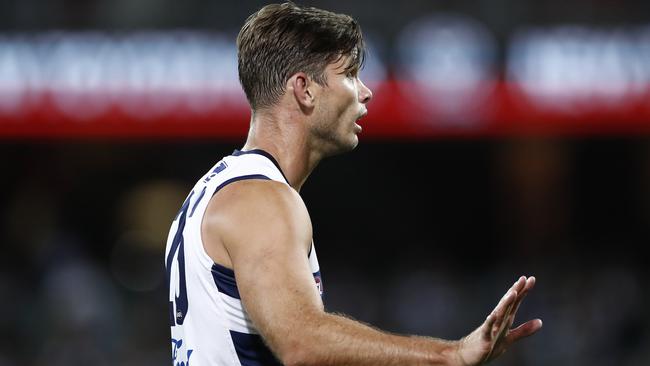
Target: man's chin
(355,142)
(350,143)
(341,147)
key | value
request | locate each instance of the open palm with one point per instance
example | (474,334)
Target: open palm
(495,335)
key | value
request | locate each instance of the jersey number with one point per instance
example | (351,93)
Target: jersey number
(180,299)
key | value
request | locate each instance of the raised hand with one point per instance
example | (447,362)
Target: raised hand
(495,335)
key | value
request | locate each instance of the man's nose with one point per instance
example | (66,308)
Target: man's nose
(365,94)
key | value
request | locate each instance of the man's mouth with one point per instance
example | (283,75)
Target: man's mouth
(362,115)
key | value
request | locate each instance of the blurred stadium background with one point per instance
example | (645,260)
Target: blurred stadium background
(506,137)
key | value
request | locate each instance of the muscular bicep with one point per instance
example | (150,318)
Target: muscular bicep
(267,241)
(277,288)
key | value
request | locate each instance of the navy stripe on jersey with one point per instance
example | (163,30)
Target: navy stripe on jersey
(226,283)
(265,154)
(197,201)
(252,351)
(236,179)
(224,278)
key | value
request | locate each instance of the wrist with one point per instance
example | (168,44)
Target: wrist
(453,355)
(444,353)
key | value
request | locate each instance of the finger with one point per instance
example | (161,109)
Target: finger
(502,309)
(520,284)
(486,331)
(527,329)
(504,324)
(529,284)
(513,313)
(505,301)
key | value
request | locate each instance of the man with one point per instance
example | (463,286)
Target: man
(244,279)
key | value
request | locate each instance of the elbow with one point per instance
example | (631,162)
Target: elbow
(298,357)
(298,344)
(298,353)
(293,359)
(300,349)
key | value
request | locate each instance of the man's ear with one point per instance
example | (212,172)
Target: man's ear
(303,88)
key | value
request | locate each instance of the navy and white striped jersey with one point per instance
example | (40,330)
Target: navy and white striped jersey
(209,325)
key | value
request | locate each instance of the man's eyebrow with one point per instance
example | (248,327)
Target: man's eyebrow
(353,63)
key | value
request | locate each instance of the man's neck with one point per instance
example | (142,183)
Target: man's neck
(288,142)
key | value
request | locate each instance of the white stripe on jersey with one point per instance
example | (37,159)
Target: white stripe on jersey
(237,319)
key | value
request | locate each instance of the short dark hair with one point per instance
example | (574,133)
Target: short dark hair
(280,40)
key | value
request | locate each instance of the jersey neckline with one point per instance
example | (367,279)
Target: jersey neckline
(266,155)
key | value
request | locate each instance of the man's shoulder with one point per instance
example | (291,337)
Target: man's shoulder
(256,202)
(254,213)
(257,192)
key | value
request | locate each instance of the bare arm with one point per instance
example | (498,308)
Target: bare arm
(267,234)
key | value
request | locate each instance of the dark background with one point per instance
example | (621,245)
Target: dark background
(413,236)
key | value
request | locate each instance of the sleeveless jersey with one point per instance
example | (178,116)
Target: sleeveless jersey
(209,325)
